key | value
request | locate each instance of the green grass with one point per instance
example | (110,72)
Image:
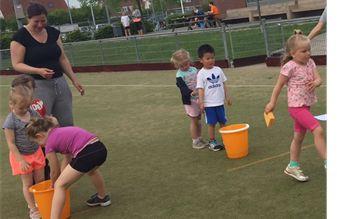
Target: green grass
(245,42)
(152,171)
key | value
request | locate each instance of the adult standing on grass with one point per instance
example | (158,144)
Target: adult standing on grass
(137,20)
(319,26)
(36,49)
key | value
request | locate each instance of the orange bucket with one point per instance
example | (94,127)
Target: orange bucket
(43,194)
(235,139)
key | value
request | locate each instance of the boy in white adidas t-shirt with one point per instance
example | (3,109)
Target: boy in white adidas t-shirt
(213,93)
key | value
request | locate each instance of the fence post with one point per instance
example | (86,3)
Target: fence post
(72,57)
(224,39)
(137,51)
(282,34)
(231,44)
(265,35)
(102,52)
(177,41)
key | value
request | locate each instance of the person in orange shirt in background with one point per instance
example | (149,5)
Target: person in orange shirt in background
(214,15)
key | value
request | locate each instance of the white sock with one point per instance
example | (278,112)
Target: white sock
(195,140)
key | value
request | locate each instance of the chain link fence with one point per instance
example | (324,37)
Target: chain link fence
(232,41)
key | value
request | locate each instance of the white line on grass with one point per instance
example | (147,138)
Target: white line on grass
(265,159)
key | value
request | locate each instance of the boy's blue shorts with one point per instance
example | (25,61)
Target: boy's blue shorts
(215,114)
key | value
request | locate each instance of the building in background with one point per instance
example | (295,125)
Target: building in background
(7,8)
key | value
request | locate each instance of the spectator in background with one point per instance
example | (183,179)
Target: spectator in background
(214,15)
(200,16)
(137,19)
(126,24)
(319,26)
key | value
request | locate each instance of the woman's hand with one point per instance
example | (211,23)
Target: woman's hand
(269,107)
(24,165)
(46,73)
(79,87)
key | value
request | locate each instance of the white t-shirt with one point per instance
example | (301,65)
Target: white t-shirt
(125,21)
(212,81)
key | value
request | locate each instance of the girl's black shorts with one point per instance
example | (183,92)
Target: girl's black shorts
(93,155)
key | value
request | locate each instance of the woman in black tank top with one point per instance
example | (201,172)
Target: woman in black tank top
(36,49)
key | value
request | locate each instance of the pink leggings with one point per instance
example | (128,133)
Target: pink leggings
(303,119)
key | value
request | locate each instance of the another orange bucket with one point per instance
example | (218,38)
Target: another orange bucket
(43,194)
(235,139)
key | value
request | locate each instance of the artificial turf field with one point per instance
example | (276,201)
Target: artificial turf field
(152,170)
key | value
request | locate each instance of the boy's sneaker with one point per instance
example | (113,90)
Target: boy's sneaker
(200,144)
(95,201)
(296,173)
(214,146)
(34,213)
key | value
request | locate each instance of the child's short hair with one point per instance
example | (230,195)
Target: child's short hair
(37,125)
(180,56)
(20,93)
(205,48)
(24,80)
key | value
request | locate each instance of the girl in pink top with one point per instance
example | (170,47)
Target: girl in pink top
(83,153)
(300,75)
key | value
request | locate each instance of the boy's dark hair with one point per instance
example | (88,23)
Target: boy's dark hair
(205,48)
(212,3)
(23,79)
(35,9)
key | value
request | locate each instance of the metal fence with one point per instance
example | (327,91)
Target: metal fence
(232,41)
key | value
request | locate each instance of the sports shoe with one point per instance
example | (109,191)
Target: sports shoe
(95,201)
(214,146)
(296,173)
(200,144)
(34,213)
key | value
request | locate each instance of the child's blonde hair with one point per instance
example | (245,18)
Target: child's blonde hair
(25,80)
(37,125)
(180,56)
(292,44)
(20,93)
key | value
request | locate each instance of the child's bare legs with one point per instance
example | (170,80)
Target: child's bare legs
(295,147)
(68,176)
(195,127)
(211,132)
(27,181)
(98,181)
(39,175)
(319,140)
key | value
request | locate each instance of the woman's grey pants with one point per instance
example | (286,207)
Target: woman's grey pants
(57,99)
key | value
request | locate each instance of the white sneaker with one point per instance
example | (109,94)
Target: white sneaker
(200,144)
(296,173)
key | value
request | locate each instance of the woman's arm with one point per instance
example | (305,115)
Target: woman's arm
(282,80)
(17,56)
(54,166)
(9,135)
(66,66)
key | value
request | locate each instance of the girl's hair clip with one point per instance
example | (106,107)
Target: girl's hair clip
(297,31)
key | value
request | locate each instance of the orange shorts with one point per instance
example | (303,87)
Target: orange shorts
(36,161)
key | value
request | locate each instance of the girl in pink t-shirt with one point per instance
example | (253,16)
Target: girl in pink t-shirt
(300,75)
(83,153)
